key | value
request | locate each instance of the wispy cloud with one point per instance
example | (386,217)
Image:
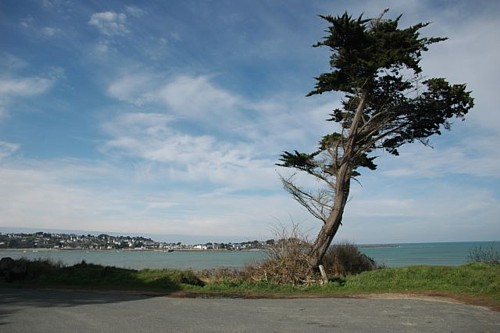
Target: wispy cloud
(476,156)
(49,31)
(11,63)
(135,88)
(185,95)
(441,213)
(201,158)
(24,86)
(6,148)
(134,11)
(12,88)
(66,193)
(109,23)
(235,143)
(197,97)
(35,28)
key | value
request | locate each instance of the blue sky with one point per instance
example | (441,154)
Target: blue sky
(167,117)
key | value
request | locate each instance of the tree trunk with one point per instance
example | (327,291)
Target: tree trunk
(342,187)
(334,220)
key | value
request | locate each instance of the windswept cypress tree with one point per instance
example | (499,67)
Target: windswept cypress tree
(387,103)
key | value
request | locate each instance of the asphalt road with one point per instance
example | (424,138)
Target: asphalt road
(70,311)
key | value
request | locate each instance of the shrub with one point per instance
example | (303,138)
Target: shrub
(345,259)
(287,261)
(41,267)
(22,269)
(488,255)
(221,275)
(184,277)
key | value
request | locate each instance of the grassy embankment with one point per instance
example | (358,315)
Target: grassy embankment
(476,283)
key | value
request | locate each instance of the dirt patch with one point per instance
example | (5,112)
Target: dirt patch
(421,296)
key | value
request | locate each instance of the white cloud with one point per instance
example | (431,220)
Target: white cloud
(109,23)
(35,194)
(11,88)
(277,123)
(245,137)
(49,31)
(196,97)
(27,22)
(187,157)
(467,57)
(6,148)
(24,86)
(441,213)
(193,97)
(135,88)
(11,63)
(52,4)
(134,11)
(32,26)
(478,157)
(70,194)
(102,49)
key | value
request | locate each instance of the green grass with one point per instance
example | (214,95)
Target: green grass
(471,278)
(476,282)
(474,279)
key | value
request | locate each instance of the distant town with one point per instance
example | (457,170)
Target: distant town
(62,241)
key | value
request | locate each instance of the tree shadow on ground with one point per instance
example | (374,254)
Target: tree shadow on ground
(13,300)
(45,274)
(20,297)
(43,284)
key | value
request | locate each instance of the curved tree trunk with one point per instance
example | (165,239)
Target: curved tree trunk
(334,220)
(342,187)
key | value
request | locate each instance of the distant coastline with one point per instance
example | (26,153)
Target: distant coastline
(390,255)
(376,246)
(62,241)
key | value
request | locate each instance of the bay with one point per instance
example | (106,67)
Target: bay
(390,255)
(196,260)
(411,254)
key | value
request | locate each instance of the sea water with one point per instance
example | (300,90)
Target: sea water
(140,259)
(390,255)
(447,254)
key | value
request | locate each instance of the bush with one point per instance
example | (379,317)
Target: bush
(183,277)
(487,256)
(22,269)
(345,259)
(41,267)
(287,262)
(222,275)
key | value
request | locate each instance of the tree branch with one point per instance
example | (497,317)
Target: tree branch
(318,206)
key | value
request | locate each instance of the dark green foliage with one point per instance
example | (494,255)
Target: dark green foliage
(362,47)
(22,269)
(376,59)
(345,259)
(105,276)
(298,160)
(84,275)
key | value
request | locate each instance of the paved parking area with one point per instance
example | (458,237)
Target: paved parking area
(23,310)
